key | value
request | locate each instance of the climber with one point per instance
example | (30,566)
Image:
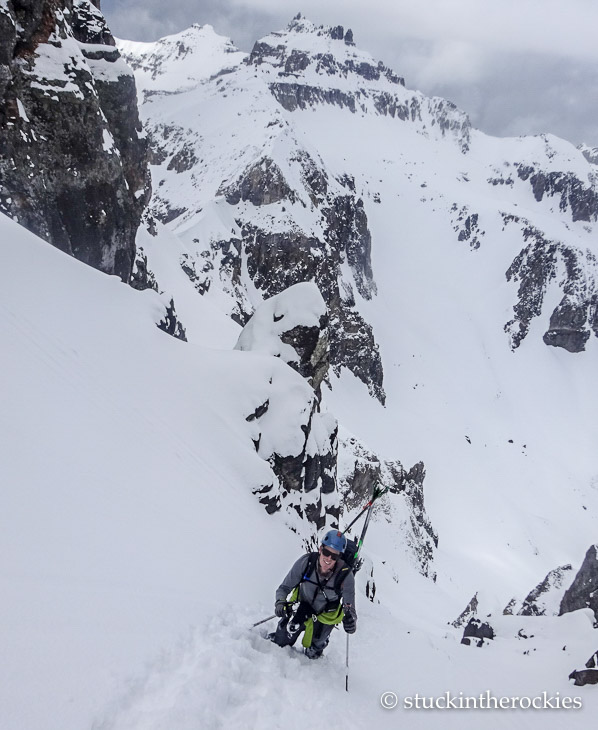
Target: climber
(322,588)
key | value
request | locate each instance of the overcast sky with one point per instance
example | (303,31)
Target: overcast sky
(515,66)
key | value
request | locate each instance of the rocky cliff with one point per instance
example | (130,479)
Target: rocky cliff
(73,158)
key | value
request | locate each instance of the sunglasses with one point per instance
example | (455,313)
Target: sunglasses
(328,554)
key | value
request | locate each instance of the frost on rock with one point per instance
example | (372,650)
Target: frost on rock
(470,611)
(300,444)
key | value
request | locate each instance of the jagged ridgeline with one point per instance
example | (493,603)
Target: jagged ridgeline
(73,159)
(271,206)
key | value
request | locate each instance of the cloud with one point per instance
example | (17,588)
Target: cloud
(516,66)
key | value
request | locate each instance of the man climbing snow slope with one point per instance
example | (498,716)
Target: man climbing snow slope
(322,588)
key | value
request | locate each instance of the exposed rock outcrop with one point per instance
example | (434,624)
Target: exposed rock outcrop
(589,675)
(574,196)
(278,259)
(73,162)
(466,225)
(292,60)
(470,611)
(590,153)
(543,263)
(171,324)
(360,468)
(294,326)
(583,592)
(142,277)
(263,183)
(545,598)
(477,633)
(375,94)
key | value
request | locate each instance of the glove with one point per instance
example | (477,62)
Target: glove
(281,608)
(349,623)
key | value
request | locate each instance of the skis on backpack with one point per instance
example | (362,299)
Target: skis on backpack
(354,548)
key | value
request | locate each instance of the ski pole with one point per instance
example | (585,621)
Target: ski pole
(263,621)
(347,667)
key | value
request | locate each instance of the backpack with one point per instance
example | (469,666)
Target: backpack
(350,556)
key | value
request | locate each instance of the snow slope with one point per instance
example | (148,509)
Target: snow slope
(127,470)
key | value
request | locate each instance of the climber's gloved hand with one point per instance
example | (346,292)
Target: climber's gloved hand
(281,608)
(349,623)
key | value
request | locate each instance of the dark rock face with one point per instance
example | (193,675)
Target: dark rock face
(574,196)
(292,96)
(200,280)
(277,260)
(261,184)
(292,93)
(468,613)
(583,592)
(541,263)
(467,226)
(171,324)
(361,469)
(313,349)
(307,480)
(142,277)
(589,675)
(443,114)
(567,327)
(535,602)
(477,632)
(294,61)
(73,168)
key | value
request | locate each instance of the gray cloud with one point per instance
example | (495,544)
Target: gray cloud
(516,67)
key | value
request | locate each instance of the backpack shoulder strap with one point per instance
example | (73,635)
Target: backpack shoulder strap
(312,559)
(340,578)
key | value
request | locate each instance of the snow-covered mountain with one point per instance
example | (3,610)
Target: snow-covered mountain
(459,272)
(361,287)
